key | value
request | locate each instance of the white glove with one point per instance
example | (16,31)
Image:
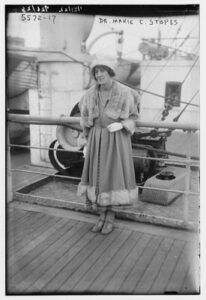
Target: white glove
(115,126)
(85,150)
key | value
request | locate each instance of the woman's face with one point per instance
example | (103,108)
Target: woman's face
(101,75)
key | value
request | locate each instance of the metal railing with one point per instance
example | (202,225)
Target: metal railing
(74,123)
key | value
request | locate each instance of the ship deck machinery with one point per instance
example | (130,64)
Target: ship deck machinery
(145,144)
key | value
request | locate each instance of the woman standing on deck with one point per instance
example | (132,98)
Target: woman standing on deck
(108,114)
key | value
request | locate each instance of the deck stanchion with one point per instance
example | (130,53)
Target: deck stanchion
(9,173)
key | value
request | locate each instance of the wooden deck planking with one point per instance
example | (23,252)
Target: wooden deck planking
(22,234)
(24,225)
(14,215)
(160,284)
(74,260)
(33,240)
(31,235)
(19,232)
(60,255)
(112,268)
(95,270)
(74,277)
(151,272)
(53,267)
(39,266)
(15,220)
(33,269)
(180,271)
(62,227)
(42,225)
(141,265)
(115,284)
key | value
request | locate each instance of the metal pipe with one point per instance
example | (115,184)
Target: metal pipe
(162,151)
(46,174)
(42,120)
(191,127)
(67,121)
(182,162)
(76,151)
(43,148)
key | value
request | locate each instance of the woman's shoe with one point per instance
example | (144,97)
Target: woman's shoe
(107,228)
(98,227)
(109,222)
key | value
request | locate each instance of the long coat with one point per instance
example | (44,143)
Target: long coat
(108,177)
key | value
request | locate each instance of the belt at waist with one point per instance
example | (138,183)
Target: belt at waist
(99,124)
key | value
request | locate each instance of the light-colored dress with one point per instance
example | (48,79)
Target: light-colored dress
(108,177)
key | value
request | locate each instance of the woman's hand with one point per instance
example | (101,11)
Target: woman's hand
(115,126)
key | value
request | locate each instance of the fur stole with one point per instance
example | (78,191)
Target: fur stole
(122,104)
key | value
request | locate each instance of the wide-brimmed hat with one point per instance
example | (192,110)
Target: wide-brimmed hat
(104,61)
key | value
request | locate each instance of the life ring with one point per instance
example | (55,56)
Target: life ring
(54,158)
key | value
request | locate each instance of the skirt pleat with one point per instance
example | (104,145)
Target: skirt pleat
(108,176)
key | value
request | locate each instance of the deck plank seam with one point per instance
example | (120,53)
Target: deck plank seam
(98,246)
(103,239)
(174,268)
(113,275)
(22,235)
(65,253)
(22,220)
(179,260)
(160,255)
(143,262)
(121,243)
(149,262)
(30,234)
(171,260)
(33,266)
(135,246)
(21,283)
(26,263)
(92,237)
(26,248)
(14,217)
(125,254)
(161,265)
(112,241)
(138,258)
(29,231)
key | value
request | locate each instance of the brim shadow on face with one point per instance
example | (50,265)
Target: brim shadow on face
(106,68)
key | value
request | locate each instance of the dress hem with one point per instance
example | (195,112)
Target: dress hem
(111,198)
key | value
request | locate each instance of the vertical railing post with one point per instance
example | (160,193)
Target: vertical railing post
(187,178)
(9,174)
